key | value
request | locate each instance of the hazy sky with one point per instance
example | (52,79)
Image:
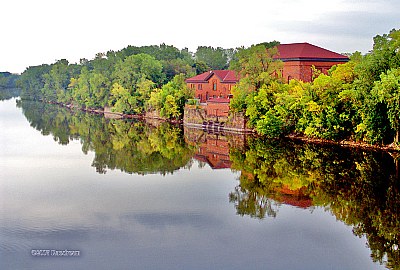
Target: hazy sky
(34,32)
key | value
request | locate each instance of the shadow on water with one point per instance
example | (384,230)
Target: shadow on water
(360,188)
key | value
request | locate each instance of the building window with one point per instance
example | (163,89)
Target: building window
(200,86)
(192,86)
(215,85)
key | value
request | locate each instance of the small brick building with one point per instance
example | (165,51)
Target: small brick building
(213,84)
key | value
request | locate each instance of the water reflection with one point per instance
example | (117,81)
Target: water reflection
(360,188)
(130,146)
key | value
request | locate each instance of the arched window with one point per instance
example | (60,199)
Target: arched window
(214,85)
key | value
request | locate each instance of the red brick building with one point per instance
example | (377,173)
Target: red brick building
(298,59)
(213,84)
(214,87)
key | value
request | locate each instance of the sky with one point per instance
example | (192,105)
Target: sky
(43,31)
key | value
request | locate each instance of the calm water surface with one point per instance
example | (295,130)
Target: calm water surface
(130,195)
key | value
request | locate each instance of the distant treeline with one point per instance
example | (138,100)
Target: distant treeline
(8,86)
(132,80)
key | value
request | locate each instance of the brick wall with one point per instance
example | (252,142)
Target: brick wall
(197,115)
(217,109)
(203,91)
(302,70)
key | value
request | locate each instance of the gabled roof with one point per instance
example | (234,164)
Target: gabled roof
(225,76)
(306,51)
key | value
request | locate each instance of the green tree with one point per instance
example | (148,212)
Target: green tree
(57,80)
(170,108)
(215,58)
(387,91)
(32,82)
(256,69)
(99,90)
(8,86)
(375,126)
(80,87)
(128,72)
(170,100)
(200,67)
(256,90)
(256,65)
(121,99)
(177,66)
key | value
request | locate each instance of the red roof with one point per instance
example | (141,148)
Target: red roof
(225,76)
(301,51)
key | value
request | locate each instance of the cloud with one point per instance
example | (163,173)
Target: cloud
(351,24)
(346,31)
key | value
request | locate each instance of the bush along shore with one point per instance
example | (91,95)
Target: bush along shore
(354,104)
(357,103)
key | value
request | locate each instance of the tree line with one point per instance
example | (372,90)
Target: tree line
(8,86)
(358,101)
(131,81)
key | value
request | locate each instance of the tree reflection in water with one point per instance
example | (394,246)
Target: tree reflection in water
(130,146)
(360,188)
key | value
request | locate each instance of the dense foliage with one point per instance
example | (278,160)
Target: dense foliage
(131,81)
(359,100)
(213,58)
(123,80)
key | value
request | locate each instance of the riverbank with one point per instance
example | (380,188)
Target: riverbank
(107,113)
(345,143)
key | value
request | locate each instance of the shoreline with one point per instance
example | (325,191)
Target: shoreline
(345,143)
(342,143)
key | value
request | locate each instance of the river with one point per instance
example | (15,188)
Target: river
(78,191)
